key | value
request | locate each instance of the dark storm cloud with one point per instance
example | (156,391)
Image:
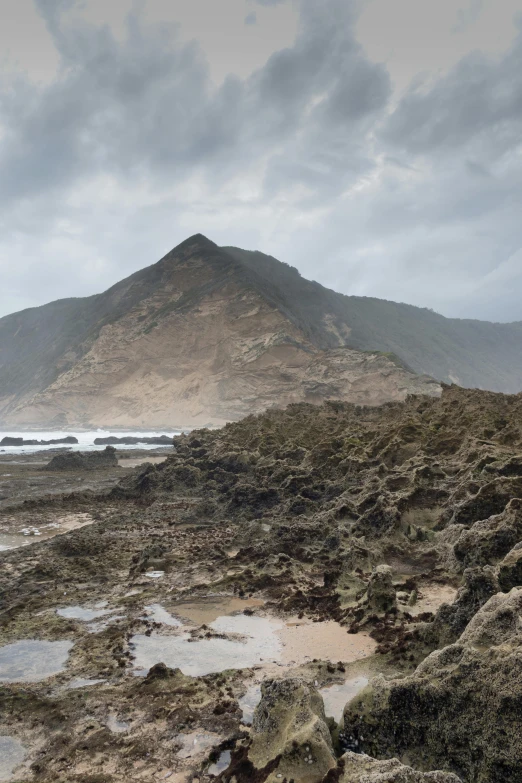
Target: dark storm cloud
(416,199)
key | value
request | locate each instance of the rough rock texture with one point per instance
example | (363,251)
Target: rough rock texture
(381,596)
(296,507)
(510,569)
(460,710)
(480,584)
(358,768)
(77,460)
(290,726)
(488,540)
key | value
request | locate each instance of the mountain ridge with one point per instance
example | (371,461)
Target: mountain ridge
(214,333)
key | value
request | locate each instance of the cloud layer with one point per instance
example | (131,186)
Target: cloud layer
(316,157)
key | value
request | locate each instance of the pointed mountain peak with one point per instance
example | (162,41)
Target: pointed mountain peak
(199,240)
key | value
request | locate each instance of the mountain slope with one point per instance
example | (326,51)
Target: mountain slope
(471,353)
(198,338)
(211,334)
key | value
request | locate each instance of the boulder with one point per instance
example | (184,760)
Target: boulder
(290,734)
(77,460)
(381,596)
(480,584)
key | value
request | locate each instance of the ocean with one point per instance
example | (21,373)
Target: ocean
(85,439)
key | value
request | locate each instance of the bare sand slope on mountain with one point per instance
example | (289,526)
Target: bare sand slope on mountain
(202,349)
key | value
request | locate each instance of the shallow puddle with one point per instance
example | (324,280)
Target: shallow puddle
(8,541)
(250,641)
(155,574)
(221,764)
(17,537)
(32,660)
(431,598)
(135,462)
(195,743)
(117,726)
(80,682)
(12,754)
(82,613)
(157,613)
(335,697)
(249,702)
(304,640)
(257,643)
(206,610)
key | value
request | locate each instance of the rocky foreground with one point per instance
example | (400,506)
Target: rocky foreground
(386,541)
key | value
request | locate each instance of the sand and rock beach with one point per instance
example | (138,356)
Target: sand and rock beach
(317,594)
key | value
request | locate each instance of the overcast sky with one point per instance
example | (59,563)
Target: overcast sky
(376,145)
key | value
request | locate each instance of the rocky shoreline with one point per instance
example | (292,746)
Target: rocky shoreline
(319,546)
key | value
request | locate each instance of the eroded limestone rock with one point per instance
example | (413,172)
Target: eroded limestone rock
(489,540)
(358,768)
(510,569)
(460,710)
(290,725)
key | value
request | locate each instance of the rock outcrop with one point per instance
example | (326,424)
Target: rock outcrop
(70,440)
(290,737)
(380,595)
(358,768)
(460,710)
(77,460)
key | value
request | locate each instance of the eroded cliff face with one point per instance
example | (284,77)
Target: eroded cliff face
(202,347)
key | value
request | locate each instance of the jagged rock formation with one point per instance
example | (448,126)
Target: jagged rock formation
(211,334)
(460,710)
(289,728)
(303,507)
(359,768)
(77,460)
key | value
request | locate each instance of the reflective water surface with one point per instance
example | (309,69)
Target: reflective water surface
(81,613)
(221,764)
(249,702)
(255,642)
(335,697)
(12,754)
(196,742)
(32,661)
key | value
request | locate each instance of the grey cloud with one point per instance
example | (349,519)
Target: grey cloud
(420,203)
(251,18)
(479,102)
(145,106)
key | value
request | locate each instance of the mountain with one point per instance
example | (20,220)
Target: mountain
(211,334)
